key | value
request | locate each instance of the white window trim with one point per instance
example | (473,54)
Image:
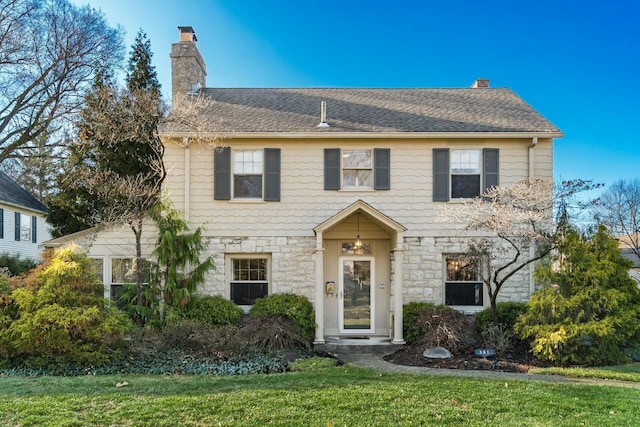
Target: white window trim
(344,187)
(234,152)
(451,173)
(229,257)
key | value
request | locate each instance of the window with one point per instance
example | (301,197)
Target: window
(25,228)
(463,174)
(123,271)
(247,174)
(249,279)
(462,285)
(97,270)
(357,169)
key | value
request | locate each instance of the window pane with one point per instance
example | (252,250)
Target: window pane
(465,161)
(357,178)
(465,186)
(96,269)
(25,227)
(463,294)
(356,159)
(247,293)
(461,270)
(122,270)
(249,186)
(247,162)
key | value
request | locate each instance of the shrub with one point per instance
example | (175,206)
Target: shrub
(436,325)
(61,319)
(212,310)
(508,313)
(588,311)
(275,334)
(498,337)
(296,307)
(15,264)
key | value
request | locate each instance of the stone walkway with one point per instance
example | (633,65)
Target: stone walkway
(376,362)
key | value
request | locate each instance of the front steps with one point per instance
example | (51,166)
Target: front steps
(358,345)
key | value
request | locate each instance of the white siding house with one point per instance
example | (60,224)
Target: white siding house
(23,228)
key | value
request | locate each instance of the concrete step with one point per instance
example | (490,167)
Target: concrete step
(364,345)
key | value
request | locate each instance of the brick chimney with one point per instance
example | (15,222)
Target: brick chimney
(480,84)
(188,72)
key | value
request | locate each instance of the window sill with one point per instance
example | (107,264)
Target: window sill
(357,190)
(467,309)
(246,201)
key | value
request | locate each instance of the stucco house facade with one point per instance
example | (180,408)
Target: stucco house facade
(23,227)
(335,193)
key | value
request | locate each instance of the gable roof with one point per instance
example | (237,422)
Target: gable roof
(349,110)
(11,193)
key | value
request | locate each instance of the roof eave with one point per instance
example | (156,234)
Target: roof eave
(24,208)
(369,135)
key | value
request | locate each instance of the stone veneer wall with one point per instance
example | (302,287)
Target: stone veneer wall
(293,267)
(292,263)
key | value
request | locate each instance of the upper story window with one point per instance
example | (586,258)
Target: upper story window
(357,169)
(463,174)
(247,174)
(463,285)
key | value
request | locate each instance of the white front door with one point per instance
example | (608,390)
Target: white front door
(356,293)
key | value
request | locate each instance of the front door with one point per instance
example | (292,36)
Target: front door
(356,309)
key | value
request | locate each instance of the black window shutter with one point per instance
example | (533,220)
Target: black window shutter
(382,168)
(440,174)
(34,229)
(272,174)
(222,173)
(1,223)
(331,168)
(17,227)
(490,168)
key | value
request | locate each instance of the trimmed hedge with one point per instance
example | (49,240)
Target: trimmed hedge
(213,310)
(296,307)
(508,313)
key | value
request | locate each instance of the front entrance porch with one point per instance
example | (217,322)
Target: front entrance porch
(357,298)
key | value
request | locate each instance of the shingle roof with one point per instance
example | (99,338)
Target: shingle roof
(372,110)
(12,193)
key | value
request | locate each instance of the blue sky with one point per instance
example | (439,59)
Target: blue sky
(578,63)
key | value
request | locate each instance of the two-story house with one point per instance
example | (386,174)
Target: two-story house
(23,228)
(335,193)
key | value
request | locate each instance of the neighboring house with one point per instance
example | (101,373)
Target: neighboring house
(335,194)
(22,221)
(630,247)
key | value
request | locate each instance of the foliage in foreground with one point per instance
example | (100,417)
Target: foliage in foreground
(212,310)
(295,307)
(15,264)
(588,311)
(338,396)
(60,317)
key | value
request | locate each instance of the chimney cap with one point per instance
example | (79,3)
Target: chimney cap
(187,33)
(480,83)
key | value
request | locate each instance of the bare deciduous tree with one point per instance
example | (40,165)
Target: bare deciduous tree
(618,208)
(512,227)
(49,50)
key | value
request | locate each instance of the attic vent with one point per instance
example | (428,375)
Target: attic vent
(323,115)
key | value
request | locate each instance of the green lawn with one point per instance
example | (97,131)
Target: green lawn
(331,396)
(629,372)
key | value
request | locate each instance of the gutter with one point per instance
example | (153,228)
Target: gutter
(370,135)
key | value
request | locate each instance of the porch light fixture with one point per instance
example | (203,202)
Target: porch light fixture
(358,243)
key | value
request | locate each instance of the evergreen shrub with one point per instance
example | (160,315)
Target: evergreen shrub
(296,307)
(15,264)
(213,310)
(588,309)
(508,313)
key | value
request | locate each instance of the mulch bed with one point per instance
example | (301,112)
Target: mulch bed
(519,359)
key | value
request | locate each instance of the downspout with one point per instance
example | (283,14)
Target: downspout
(187,178)
(532,251)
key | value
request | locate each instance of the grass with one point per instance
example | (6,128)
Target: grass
(317,395)
(628,372)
